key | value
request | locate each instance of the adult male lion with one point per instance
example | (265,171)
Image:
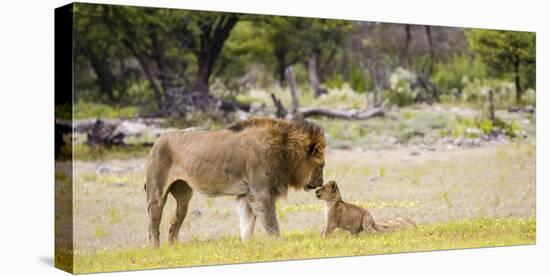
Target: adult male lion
(255,160)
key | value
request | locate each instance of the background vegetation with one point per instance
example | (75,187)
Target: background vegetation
(165,62)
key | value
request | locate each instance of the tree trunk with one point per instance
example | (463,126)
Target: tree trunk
(430,49)
(408,39)
(428,84)
(293,91)
(517,80)
(314,74)
(280,58)
(375,84)
(491,106)
(147,71)
(160,58)
(105,77)
(215,33)
(203,74)
(324,67)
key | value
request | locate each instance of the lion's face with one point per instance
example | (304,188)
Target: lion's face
(316,166)
(328,191)
(316,179)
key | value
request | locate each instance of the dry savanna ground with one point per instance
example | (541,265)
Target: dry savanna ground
(459,198)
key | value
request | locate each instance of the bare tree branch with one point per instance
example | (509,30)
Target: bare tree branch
(281,110)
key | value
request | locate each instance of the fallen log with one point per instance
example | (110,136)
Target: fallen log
(104,134)
(108,132)
(341,114)
(233,106)
(301,113)
(83,125)
(305,112)
(527,109)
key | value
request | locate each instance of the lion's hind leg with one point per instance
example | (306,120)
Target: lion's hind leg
(155,204)
(182,193)
(247,218)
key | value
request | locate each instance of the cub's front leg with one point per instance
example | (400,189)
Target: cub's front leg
(328,229)
(323,229)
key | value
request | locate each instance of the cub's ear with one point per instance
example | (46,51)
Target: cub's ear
(334,187)
(314,150)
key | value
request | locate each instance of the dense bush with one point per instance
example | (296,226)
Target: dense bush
(451,76)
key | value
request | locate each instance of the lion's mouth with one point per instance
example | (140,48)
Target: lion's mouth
(309,187)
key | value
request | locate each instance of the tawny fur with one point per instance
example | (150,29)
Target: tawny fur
(254,160)
(350,217)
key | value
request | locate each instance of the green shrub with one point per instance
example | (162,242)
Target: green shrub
(485,125)
(463,128)
(63,111)
(334,82)
(476,91)
(357,81)
(401,92)
(511,129)
(345,98)
(529,97)
(473,128)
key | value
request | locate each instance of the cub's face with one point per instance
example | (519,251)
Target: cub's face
(329,191)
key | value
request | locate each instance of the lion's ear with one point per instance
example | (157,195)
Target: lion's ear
(314,150)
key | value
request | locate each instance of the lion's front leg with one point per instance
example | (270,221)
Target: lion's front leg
(247,218)
(264,207)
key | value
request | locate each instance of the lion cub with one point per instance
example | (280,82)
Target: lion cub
(350,217)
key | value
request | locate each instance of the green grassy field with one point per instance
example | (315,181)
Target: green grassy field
(303,245)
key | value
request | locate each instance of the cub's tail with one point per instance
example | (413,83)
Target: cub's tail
(392,224)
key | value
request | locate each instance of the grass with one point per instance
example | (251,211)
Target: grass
(85,110)
(474,233)
(284,210)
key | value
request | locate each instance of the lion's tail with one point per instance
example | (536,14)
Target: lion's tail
(392,224)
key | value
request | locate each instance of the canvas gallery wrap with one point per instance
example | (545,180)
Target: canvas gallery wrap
(189,138)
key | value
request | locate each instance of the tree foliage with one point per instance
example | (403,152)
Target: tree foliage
(507,54)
